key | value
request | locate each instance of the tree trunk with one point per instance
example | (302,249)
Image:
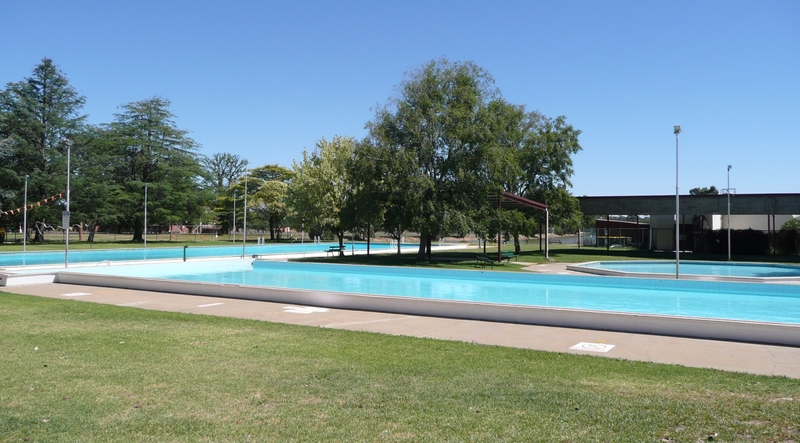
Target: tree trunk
(341,243)
(422,245)
(38,237)
(517,248)
(137,232)
(428,244)
(91,233)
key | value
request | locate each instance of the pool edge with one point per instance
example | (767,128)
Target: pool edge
(730,330)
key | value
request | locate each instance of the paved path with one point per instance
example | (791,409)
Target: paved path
(729,356)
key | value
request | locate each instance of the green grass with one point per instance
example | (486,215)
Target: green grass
(530,255)
(106,373)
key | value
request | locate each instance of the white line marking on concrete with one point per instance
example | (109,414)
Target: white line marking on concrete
(209,305)
(382,320)
(303,309)
(134,303)
(75,294)
(593,347)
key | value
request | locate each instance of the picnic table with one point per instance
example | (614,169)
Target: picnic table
(508,256)
(482,260)
(335,249)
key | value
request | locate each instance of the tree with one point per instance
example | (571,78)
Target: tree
(222,170)
(319,187)
(789,237)
(704,191)
(94,155)
(271,173)
(155,151)
(269,202)
(256,178)
(37,115)
(439,120)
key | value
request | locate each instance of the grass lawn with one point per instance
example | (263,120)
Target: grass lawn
(78,371)
(465,259)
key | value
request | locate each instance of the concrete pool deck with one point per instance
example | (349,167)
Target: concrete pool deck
(724,355)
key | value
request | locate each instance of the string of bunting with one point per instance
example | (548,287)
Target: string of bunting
(30,206)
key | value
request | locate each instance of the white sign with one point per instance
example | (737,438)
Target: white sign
(592,347)
(303,309)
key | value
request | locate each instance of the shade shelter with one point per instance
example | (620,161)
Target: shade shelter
(511,201)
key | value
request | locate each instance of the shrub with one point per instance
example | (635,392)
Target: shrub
(789,237)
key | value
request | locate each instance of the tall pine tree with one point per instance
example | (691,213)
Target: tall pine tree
(37,116)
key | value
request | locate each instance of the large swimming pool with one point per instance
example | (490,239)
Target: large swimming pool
(696,299)
(99,255)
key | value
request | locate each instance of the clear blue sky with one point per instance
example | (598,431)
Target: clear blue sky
(266,80)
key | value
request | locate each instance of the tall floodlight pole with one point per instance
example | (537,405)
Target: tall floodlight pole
(729,212)
(145,215)
(65,216)
(676,131)
(233,237)
(244,233)
(25,218)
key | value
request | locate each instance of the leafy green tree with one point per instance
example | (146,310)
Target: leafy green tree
(547,157)
(319,189)
(155,151)
(789,237)
(37,115)
(269,202)
(439,119)
(256,179)
(704,191)
(95,157)
(271,173)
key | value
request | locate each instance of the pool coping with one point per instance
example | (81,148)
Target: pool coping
(582,268)
(690,327)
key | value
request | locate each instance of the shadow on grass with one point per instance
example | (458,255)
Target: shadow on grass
(530,254)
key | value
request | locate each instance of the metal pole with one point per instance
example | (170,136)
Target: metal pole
(729,212)
(25,219)
(145,215)
(677,130)
(547,234)
(244,233)
(66,228)
(234,218)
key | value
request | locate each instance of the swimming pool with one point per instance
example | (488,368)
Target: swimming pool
(695,269)
(99,255)
(740,311)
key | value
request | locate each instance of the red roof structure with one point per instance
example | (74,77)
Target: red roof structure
(509,200)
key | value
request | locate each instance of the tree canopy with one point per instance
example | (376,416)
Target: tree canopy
(433,157)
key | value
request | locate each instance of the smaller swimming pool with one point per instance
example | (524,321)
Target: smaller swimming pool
(695,269)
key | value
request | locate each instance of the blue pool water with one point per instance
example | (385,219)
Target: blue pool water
(98,255)
(716,269)
(701,299)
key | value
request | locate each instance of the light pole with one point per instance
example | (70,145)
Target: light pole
(145,215)
(244,233)
(729,212)
(234,218)
(25,218)
(676,131)
(65,214)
